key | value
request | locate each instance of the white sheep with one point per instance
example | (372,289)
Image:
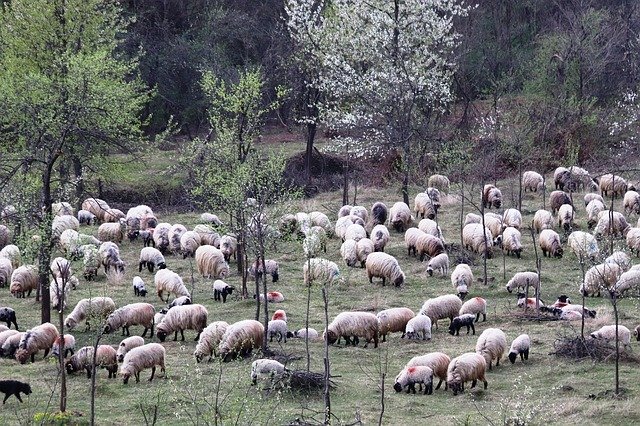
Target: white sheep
(512,217)
(522,280)
(140,358)
(520,346)
(277,328)
(592,196)
(542,219)
(411,236)
(428,245)
(228,247)
(321,220)
(462,278)
(423,206)
(476,306)
(532,181)
(11,252)
(161,236)
(631,202)
(356,324)
(619,226)
(476,240)
(491,344)
(11,343)
(341,226)
(59,294)
(550,243)
(612,185)
(491,196)
(240,339)
(621,259)
(512,241)
(272,297)
(68,346)
(83,360)
(565,217)
(109,254)
(400,217)
(355,232)
(385,266)
(132,314)
(409,376)
(437,361)
(24,279)
(380,237)
(420,324)
(62,223)
(438,263)
(348,253)
(464,368)
(180,318)
(169,281)
(221,290)
(40,337)
(126,345)
(600,277)
(629,280)
(446,306)
(472,218)
(209,340)
(207,235)
(91,262)
(138,287)
(593,212)
(271,266)
(361,212)
(393,320)
(113,232)
(583,245)
(439,181)
(608,332)
(189,243)
(85,217)
(211,263)
(6,269)
(307,333)
(270,367)
(87,309)
(175,233)
(151,258)
(321,271)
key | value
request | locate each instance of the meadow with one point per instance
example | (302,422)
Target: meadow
(543,389)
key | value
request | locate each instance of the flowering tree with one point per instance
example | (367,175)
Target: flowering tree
(384,65)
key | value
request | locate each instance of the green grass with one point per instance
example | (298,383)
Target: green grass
(546,387)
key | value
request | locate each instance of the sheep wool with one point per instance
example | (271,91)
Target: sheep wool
(180,318)
(522,280)
(83,360)
(321,220)
(441,182)
(393,320)
(629,280)
(169,281)
(612,185)
(462,278)
(477,241)
(221,290)
(361,212)
(619,226)
(491,344)
(322,271)
(113,232)
(132,314)
(621,259)
(12,253)
(348,253)
(68,347)
(420,324)
(41,337)
(355,232)
(357,324)
(512,241)
(409,376)
(491,197)
(631,202)
(263,367)
(542,219)
(211,262)
(441,307)
(583,245)
(161,236)
(380,237)
(464,368)
(476,306)
(512,217)
(24,279)
(608,332)
(89,308)
(400,217)
(271,266)
(532,181)
(520,346)
(550,243)
(126,345)
(438,263)
(593,212)
(385,266)
(140,358)
(11,342)
(565,217)
(209,340)
(600,277)
(436,361)
(240,339)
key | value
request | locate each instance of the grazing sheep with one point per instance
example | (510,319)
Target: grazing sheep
(522,280)
(493,224)
(565,217)
(557,199)
(240,339)
(431,227)
(68,346)
(491,344)
(207,236)
(631,202)
(221,290)
(96,206)
(209,340)
(520,346)
(169,281)
(491,197)
(583,245)
(61,224)
(411,236)
(385,266)
(189,243)
(438,263)
(364,247)
(11,342)
(400,217)
(161,236)
(542,219)
(465,320)
(621,259)
(464,368)
(210,218)
(38,338)
(59,294)
(428,245)
(272,297)
(472,218)
(355,232)
(512,241)
(8,315)
(306,333)
(277,328)
(475,306)
(138,287)
(348,253)
(341,226)
(270,367)
(423,206)
(356,324)
(379,214)
(600,277)
(24,279)
(380,237)
(393,320)
(132,314)
(271,267)
(178,301)
(361,212)
(322,271)
(441,307)
(88,309)
(6,269)
(279,314)
(85,217)
(440,182)
(417,325)
(113,232)
(512,217)
(175,233)
(462,279)
(228,246)
(126,345)
(608,332)
(550,243)
(83,360)
(180,318)
(321,220)
(437,361)
(91,262)
(476,240)
(532,181)
(110,257)
(593,212)
(409,376)
(315,241)
(5,334)
(14,387)
(151,258)
(619,226)
(629,280)
(145,356)
(434,195)
(592,196)
(113,215)
(612,185)
(12,253)
(211,263)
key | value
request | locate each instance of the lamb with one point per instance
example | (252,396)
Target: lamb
(608,332)
(627,281)
(465,320)
(221,290)
(438,263)
(542,219)
(522,280)
(531,302)
(178,301)
(113,232)
(475,306)
(207,236)
(6,269)
(8,315)
(478,241)
(612,185)
(379,214)
(441,307)
(91,262)
(393,320)
(520,346)
(428,245)
(128,315)
(466,367)
(593,212)
(631,202)
(24,279)
(210,218)
(11,342)
(68,347)
(380,237)
(360,212)
(491,196)
(175,233)
(565,217)
(400,217)
(83,360)
(440,182)
(357,324)
(322,271)
(532,181)
(14,387)
(511,241)
(209,340)
(437,361)
(40,337)
(583,245)
(110,257)
(420,324)
(240,339)
(550,243)
(272,297)
(461,279)
(619,226)
(512,217)
(126,345)
(409,376)
(189,243)
(277,328)
(12,253)
(385,266)
(271,267)
(85,217)
(632,238)
(180,318)
(211,263)
(228,246)
(306,333)
(424,206)
(88,309)
(491,344)
(145,356)
(169,281)
(138,287)
(269,367)
(600,277)
(161,236)
(151,258)
(579,309)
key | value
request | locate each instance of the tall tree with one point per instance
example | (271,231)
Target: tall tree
(386,65)
(66,92)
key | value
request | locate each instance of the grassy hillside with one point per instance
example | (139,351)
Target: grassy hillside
(545,388)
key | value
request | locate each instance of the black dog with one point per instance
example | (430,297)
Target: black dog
(14,387)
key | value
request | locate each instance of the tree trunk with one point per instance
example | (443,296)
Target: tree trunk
(327,370)
(93,379)
(306,320)
(77,171)
(46,244)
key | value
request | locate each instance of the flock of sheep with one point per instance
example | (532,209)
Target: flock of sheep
(364,233)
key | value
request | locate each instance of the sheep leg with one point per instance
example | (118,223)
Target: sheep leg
(526,354)
(197,337)
(472,328)
(473,383)
(46,352)
(6,396)
(411,388)
(428,388)
(144,333)
(182,334)
(88,372)
(137,377)
(175,336)
(17,394)
(153,372)
(140,266)
(439,383)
